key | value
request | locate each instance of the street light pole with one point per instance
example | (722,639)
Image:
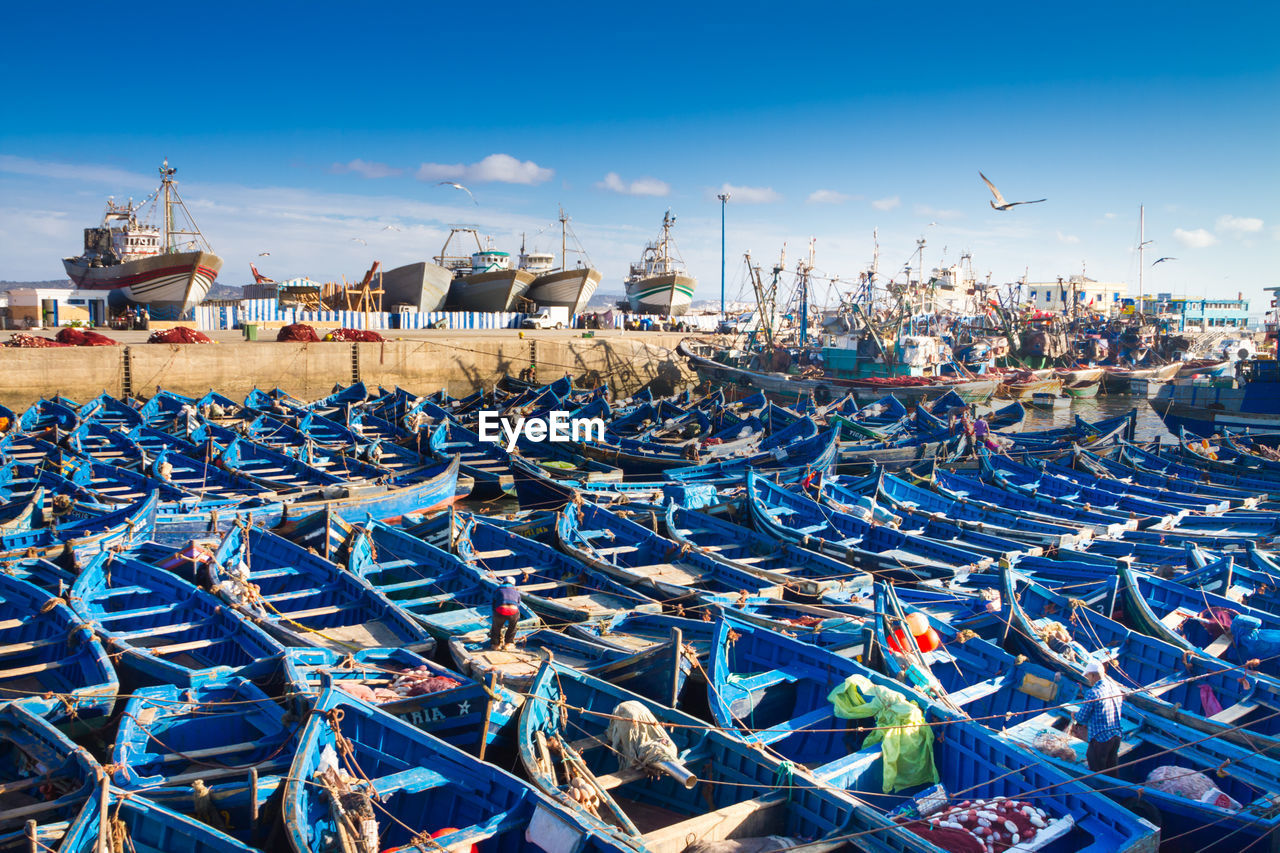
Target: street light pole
(724,197)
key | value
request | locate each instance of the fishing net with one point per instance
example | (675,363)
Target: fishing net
(84,338)
(354,335)
(32,342)
(906,743)
(179,335)
(638,738)
(1055,745)
(1183,782)
(299,333)
(982,826)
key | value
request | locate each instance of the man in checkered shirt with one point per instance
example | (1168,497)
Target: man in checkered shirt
(1103,706)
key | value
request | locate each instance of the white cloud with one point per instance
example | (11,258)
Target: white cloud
(640,186)
(1238,224)
(1069,239)
(827,197)
(1197,239)
(365,169)
(886,203)
(749,195)
(496,168)
(935,212)
(72,171)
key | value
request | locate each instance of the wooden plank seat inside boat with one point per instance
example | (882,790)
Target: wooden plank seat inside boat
(1058,722)
(1174,618)
(758,817)
(1232,714)
(667,573)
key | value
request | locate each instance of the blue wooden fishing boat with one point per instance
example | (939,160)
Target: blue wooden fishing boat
(50,662)
(1196,692)
(1031,706)
(877,550)
(706,781)
(430,585)
(858,497)
(803,571)
(43,775)
(635,555)
(488,463)
(134,823)
(657,672)
(305,600)
(554,585)
(48,416)
(208,750)
(427,792)
(159,628)
(904,496)
(778,692)
(467,713)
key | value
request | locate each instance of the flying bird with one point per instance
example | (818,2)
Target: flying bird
(1161,260)
(358,240)
(999,203)
(458,187)
(391,228)
(263,254)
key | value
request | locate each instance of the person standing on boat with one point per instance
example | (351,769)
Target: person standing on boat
(1103,706)
(506,613)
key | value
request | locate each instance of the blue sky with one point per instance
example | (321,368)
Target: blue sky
(302,129)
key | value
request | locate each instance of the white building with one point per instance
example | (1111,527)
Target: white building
(51,307)
(1082,291)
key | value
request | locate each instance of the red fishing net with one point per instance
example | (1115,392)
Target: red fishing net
(84,338)
(179,335)
(298,333)
(351,335)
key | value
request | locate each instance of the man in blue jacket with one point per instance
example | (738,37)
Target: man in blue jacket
(506,614)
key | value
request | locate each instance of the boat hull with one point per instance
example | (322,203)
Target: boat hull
(669,294)
(422,286)
(169,285)
(570,289)
(500,290)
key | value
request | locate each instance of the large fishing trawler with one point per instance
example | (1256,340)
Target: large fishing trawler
(659,283)
(563,286)
(485,280)
(168,269)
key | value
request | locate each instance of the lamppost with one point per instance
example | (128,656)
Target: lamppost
(724,197)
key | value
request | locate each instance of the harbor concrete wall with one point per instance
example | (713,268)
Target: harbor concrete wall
(458,363)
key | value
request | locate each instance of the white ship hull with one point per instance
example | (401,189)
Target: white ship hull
(169,285)
(669,294)
(570,289)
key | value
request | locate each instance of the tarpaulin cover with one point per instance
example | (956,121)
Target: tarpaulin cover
(352,335)
(179,335)
(906,743)
(1252,641)
(299,333)
(84,338)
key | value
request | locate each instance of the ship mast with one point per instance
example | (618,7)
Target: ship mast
(564,229)
(1142,232)
(170,200)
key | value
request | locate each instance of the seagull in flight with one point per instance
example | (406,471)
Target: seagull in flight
(391,228)
(263,254)
(998,203)
(458,187)
(1162,260)
(358,240)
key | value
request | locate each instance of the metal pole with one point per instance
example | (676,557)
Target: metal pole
(724,197)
